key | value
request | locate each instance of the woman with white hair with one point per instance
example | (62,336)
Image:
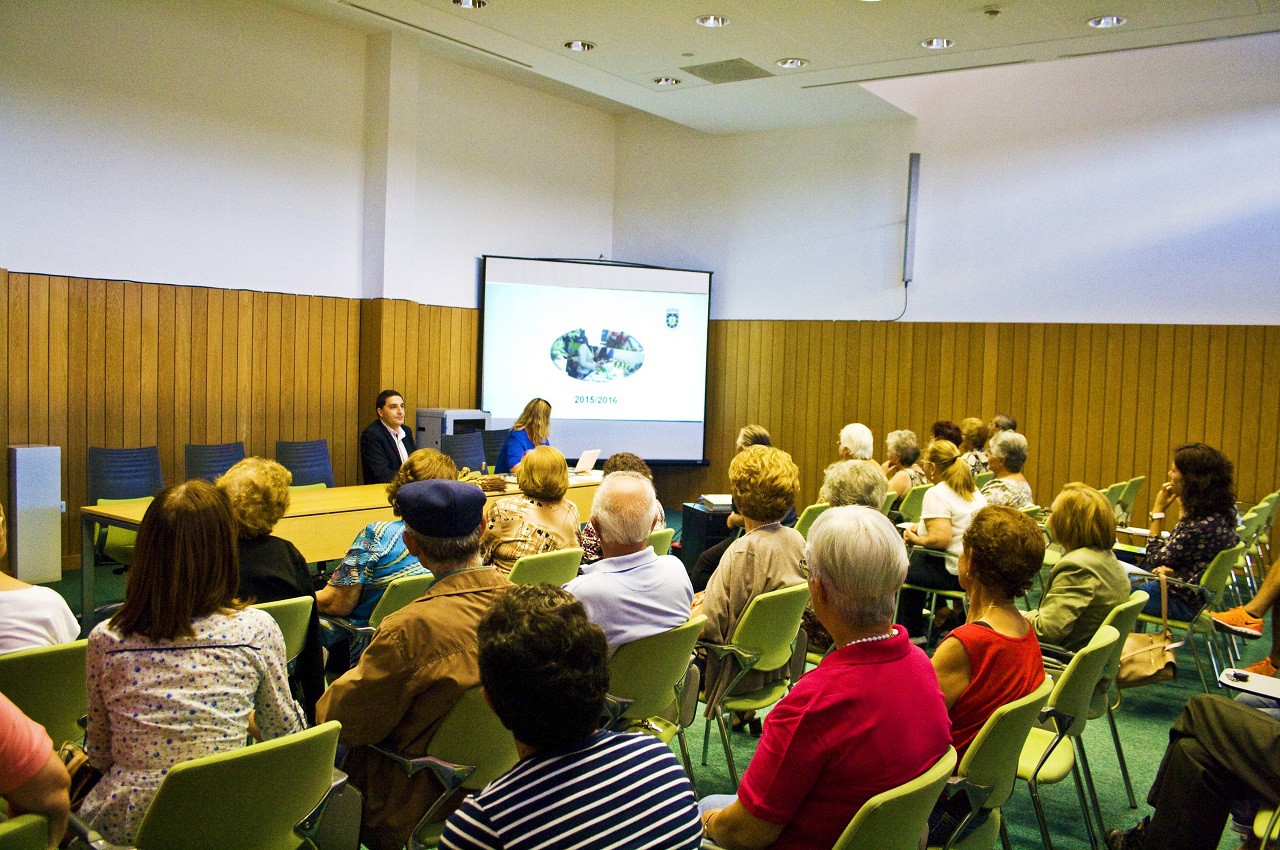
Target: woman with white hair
(869,718)
(902,450)
(852,482)
(856,442)
(1006,454)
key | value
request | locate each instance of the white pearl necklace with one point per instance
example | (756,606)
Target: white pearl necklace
(891,633)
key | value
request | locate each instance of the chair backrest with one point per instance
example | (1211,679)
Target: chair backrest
(808,515)
(913,504)
(208,462)
(991,762)
(48,684)
(249,797)
(1034,511)
(983,478)
(661,539)
(124,473)
(472,734)
(466,450)
(1218,573)
(308,461)
(1113,492)
(1073,693)
(558,568)
(770,623)
(399,593)
(1131,491)
(896,819)
(494,440)
(1250,526)
(293,616)
(646,671)
(889,498)
(1123,618)
(25,832)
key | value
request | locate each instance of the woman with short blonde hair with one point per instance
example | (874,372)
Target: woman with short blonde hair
(974,433)
(765,483)
(259,493)
(538,520)
(531,429)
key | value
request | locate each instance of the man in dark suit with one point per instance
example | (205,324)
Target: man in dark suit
(386,443)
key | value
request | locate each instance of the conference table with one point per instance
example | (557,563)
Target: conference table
(321,523)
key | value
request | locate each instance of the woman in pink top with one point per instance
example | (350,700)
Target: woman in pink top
(868,719)
(994,658)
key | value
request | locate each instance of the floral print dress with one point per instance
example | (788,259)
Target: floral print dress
(153,704)
(1188,549)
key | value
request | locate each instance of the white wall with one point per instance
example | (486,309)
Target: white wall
(215,144)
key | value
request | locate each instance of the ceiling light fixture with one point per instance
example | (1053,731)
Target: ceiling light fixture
(711,21)
(792,62)
(1106,22)
(470,4)
(936,43)
(666,81)
(580,46)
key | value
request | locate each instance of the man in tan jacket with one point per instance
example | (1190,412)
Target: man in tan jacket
(419,663)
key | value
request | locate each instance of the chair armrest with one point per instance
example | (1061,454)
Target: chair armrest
(614,711)
(977,794)
(344,625)
(745,658)
(93,839)
(449,775)
(1053,652)
(309,824)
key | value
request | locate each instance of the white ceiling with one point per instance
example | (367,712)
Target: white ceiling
(845,41)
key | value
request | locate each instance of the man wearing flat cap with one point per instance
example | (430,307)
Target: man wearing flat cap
(419,663)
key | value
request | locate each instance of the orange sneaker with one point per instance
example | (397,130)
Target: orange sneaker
(1263,668)
(1238,621)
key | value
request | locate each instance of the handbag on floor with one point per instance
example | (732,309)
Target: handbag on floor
(1148,658)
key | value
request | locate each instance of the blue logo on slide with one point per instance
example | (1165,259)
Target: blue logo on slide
(673,318)
(617,355)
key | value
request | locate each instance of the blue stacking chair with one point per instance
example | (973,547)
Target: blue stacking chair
(308,461)
(208,462)
(119,475)
(495,439)
(466,450)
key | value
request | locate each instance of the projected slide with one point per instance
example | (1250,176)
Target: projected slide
(619,352)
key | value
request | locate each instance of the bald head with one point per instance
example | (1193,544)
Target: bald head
(623,512)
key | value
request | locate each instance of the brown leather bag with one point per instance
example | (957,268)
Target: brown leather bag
(1148,658)
(83,775)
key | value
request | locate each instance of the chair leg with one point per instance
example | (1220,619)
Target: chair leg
(728,750)
(1039,807)
(1084,804)
(1004,834)
(1195,654)
(706,737)
(688,763)
(1124,766)
(1211,646)
(1083,759)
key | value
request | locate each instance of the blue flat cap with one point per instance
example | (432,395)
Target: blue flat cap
(441,508)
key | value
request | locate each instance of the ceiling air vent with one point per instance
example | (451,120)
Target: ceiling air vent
(728,71)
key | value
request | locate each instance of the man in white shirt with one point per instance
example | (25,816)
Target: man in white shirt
(386,443)
(631,592)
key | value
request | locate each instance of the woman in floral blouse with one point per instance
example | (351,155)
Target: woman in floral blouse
(1006,455)
(1202,479)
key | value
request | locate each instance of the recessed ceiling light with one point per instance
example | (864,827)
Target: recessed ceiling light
(711,21)
(1106,22)
(792,62)
(666,81)
(470,4)
(580,46)
(937,43)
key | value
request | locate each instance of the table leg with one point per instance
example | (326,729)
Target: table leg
(86,575)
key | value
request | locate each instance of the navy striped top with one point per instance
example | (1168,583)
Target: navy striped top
(615,790)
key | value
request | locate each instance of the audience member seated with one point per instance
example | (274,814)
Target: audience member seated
(1247,620)
(1003,422)
(272,568)
(1087,582)
(1202,479)
(709,560)
(856,442)
(183,669)
(544,672)
(538,520)
(945,429)
(530,430)
(379,555)
(974,435)
(1006,455)
(33,779)
(869,718)
(994,658)
(385,444)
(1220,754)
(901,453)
(853,482)
(419,663)
(949,506)
(30,615)
(620,462)
(764,482)
(631,593)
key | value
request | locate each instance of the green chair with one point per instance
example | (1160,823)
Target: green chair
(932,593)
(399,593)
(1128,497)
(983,478)
(895,819)
(1036,512)
(470,749)
(763,639)
(48,684)
(1044,762)
(889,498)
(649,674)
(1114,492)
(808,515)
(558,568)
(117,543)
(1214,580)
(293,616)
(1123,618)
(989,769)
(25,832)
(1266,827)
(913,503)
(661,539)
(264,797)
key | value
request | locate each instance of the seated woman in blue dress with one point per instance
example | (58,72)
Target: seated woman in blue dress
(529,431)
